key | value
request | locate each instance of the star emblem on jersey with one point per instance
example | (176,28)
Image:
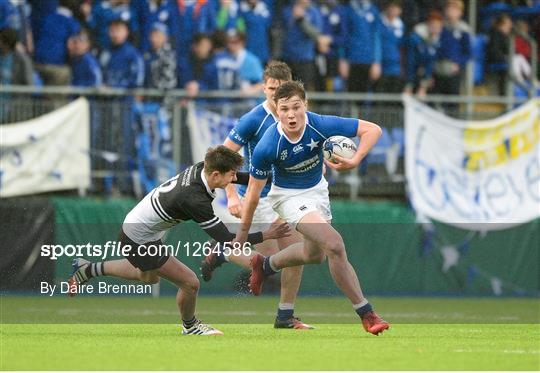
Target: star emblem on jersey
(313,144)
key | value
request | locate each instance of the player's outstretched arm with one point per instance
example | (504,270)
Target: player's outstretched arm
(221,234)
(276,230)
(369,133)
(251,201)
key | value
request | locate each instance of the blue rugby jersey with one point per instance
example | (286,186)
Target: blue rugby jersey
(298,165)
(248,132)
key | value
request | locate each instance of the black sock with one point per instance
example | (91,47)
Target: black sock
(220,257)
(285,314)
(94,270)
(363,310)
(189,323)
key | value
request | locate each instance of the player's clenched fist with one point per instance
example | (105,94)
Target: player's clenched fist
(234,204)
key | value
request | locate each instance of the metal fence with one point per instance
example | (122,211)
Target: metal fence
(113,133)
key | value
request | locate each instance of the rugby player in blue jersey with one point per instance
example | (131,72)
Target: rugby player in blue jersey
(247,133)
(291,150)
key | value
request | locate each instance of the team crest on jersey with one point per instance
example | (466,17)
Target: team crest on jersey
(313,144)
(283,155)
(298,148)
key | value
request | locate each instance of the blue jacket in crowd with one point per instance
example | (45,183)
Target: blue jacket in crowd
(193,17)
(85,71)
(39,10)
(456,44)
(258,21)
(122,67)
(421,55)
(363,45)
(103,13)
(185,71)
(297,45)
(229,17)
(148,14)
(334,26)
(227,72)
(10,16)
(392,39)
(219,73)
(51,45)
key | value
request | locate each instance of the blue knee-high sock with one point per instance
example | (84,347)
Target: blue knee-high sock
(267,268)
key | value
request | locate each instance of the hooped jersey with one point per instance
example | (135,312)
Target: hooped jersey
(186,196)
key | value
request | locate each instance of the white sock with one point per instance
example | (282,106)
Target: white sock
(286,306)
(361,304)
(272,265)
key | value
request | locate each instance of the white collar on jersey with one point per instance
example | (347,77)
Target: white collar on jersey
(64,11)
(205,182)
(268,110)
(282,133)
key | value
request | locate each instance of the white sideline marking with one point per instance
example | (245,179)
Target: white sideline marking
(475,351)
(66,311)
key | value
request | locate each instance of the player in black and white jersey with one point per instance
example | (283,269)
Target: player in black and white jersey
(187,196)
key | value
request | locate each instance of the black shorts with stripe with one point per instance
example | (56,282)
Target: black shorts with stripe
(138,254)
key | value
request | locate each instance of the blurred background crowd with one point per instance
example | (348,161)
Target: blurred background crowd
(472,60)
(388,46)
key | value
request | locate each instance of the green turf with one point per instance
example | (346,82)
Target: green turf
(473,334)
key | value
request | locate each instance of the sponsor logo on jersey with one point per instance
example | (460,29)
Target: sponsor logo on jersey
(304,166)
(186,180)
(298,148)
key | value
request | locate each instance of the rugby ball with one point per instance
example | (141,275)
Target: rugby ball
(340,145)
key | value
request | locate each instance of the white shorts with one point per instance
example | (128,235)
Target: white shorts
(264,215)
(293,204)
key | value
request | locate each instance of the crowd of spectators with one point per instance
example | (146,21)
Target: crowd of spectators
(389,46)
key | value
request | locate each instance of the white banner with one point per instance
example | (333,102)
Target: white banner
(47,153)
(480,175)
(209,129)
(206,129)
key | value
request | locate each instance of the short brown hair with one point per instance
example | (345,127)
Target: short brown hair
(222,159)
(435,15)
(277,70)
(290,89)
(390,3)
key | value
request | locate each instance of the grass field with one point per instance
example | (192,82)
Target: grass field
(109,333)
